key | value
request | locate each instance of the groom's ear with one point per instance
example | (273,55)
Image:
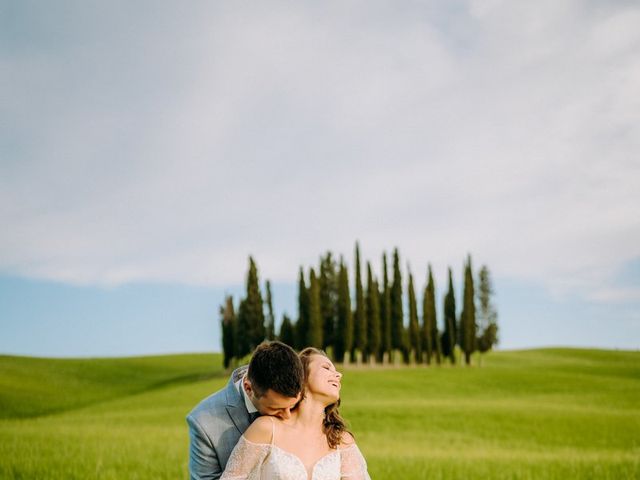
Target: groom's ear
(247,387)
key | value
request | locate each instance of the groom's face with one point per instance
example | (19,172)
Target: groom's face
(271,402)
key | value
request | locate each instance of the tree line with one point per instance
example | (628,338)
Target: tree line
(373,326)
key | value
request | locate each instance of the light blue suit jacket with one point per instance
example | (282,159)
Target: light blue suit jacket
(215,426)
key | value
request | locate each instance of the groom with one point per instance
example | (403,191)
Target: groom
(271,385)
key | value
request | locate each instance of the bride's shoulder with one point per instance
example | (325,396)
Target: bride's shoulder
(261,430)
(347,440)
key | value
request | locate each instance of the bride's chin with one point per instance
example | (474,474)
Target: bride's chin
(331,399)
(325,398)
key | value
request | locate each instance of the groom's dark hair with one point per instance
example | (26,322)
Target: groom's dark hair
(276,366)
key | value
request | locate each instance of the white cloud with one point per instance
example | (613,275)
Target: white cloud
(172,149)
(624,294)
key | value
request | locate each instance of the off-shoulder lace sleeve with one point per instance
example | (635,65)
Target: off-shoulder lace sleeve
(352,464)
(245,460)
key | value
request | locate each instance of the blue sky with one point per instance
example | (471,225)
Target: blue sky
(146,150)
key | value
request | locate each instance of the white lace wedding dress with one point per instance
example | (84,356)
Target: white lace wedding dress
(263,461)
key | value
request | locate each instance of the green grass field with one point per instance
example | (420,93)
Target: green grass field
(536,414)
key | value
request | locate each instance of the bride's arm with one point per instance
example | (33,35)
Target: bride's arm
(353,466)
(251,450)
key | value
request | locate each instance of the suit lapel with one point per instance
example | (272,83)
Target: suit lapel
(236,407)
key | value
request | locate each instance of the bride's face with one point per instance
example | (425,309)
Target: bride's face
(323,379)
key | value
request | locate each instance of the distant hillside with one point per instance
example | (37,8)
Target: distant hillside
(32,387)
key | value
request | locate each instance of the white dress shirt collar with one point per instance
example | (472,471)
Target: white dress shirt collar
(247,401)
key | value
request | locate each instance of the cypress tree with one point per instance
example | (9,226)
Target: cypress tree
(243,340)
(426,324)
(414,329)
(431,334)
(228,322)
(406,348)
(254,307)
(385,312)
(271,320)
(438,345)
(450,334)
(315,316)
(373,315)
(468,316)
(360,319)
(302,325)
(344,331)
(397,314)
(328,298)
(487,315)
(287,332)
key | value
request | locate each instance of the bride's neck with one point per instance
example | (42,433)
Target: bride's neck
(311,413)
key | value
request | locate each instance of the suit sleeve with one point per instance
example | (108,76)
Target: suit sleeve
(203,459)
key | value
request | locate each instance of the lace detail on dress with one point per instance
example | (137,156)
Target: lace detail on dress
(246,460)
(354,466)
(283,465)
(263,461)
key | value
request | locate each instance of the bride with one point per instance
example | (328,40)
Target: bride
(313,444)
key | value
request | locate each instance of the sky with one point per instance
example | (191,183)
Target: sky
(146,150)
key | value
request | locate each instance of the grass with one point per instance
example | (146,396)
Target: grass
(535,414)
(38,386)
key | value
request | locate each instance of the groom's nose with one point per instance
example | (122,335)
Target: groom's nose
(285,414)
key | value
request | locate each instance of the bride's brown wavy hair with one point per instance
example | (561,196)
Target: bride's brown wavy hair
(333,424)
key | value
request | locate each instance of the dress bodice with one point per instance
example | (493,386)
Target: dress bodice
(264,461)
(283,465)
